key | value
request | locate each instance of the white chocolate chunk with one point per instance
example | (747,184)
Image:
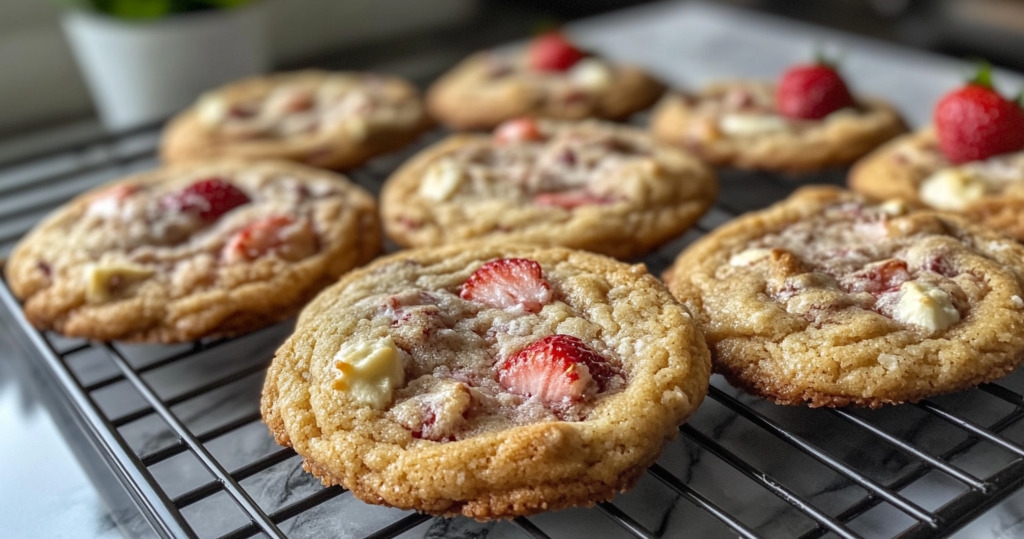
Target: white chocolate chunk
(106,207)
(441,180)
(925,305)
(951,189)
(370,372)
(743,125)
(212,109)
(100,279)
(749,257)
(591,73)
(894,207)
(1017,302)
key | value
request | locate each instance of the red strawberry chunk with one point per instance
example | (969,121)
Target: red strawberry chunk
(569,199)
(878,278)
(208,199)
(517,130)
(811,92)
(891,273)
(508,282)
(290,239)
(941,265)
(553,52)
(555,369)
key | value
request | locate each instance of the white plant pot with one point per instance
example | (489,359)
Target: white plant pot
(138,72)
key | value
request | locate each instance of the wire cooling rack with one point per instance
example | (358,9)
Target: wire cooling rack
(179,428)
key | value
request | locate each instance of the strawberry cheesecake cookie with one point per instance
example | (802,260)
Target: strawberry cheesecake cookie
(550,78)
(588,185)
(488,381)
(328,120)
(829,300)
(809,120)
(189,251)
(970,162)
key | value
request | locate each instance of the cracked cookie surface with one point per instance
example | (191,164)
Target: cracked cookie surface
(194,250)
(332,120)
(736,124)
(830,300)
(489,381)
(586,185)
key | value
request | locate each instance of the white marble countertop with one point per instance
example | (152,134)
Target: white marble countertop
(45,493)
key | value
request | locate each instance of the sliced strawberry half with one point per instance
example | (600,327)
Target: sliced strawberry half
(208,199)
(508,282)
(555,369)
(517,130)
(290,239)
(569,199)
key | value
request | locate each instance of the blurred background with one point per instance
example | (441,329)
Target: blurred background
(52,52)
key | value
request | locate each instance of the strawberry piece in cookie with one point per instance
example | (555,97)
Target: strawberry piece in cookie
(517,130)
(975,122)
(508,282)
(208,199)
(436,415)
(281,234)
(811,92)
(553,52)
(555,369)
(108,202)
(880,277)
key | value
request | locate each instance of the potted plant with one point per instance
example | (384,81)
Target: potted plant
(145,59)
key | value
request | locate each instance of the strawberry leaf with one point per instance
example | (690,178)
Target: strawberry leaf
(821,57)
(984,75)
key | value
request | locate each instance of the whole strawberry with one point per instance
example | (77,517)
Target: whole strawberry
(975,122)
(552,52)
(811,92)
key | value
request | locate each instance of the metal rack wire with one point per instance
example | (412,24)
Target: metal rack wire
(179,426)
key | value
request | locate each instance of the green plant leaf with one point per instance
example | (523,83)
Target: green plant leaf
(135,9)
(152,9)
(225,4)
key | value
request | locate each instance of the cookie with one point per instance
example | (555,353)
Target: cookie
(194,250)
(736,124)
(484,380)
(493,86)
(912,167)
(828,300)
(327,120)
(588,185)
